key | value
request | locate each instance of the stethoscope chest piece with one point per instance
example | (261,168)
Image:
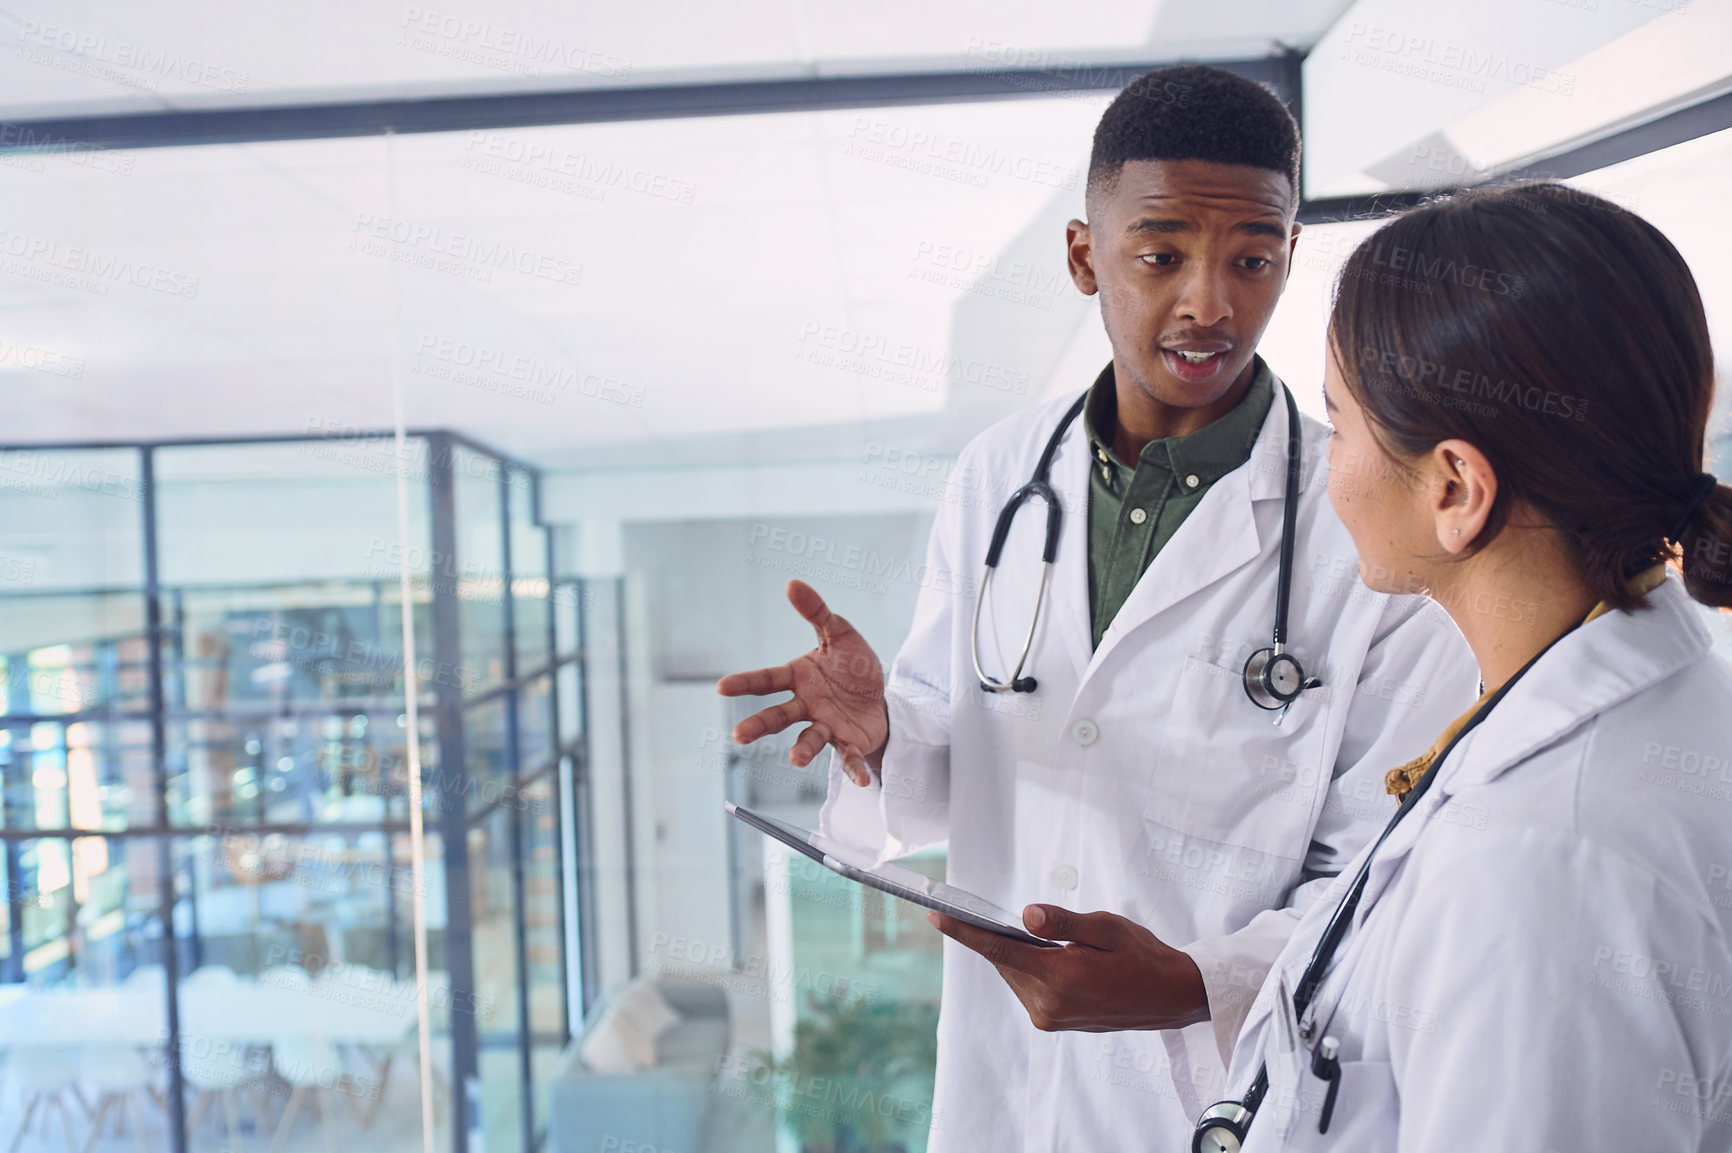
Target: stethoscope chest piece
(1274,679)
(1221,1128)
(1273,676)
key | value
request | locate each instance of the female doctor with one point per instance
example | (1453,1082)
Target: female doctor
(1539,953)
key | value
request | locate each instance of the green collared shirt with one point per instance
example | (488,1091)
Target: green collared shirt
(1133,512)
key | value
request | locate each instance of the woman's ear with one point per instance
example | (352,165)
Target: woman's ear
(1462,495)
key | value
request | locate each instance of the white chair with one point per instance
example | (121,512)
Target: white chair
(214,1070)
(439,1010)
(144,988)
(286,977)
(43,1075)
(378,986)
(146,977)
(289,1056)
(311,1065)
(116,1072)
(214,1067)
(206,976)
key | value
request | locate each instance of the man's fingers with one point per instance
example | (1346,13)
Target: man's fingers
(758,682)
(771,720)
(1001,951)
(1101,930)
(810,744)
(810,605)
(854,764)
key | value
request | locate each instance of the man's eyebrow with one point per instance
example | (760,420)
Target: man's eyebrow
(1253,227)
(1261,228)
(1149,224)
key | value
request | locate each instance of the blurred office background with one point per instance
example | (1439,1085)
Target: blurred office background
(680,301)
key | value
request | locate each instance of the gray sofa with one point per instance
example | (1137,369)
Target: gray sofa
(663,1108)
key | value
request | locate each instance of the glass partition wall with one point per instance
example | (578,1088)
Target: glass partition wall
(204,741)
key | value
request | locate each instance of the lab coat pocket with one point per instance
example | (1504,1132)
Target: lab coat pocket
(1367,1113)
(1226,772)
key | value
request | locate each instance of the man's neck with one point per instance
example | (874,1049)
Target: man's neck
(1140,418)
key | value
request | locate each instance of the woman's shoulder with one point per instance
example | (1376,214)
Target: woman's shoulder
(1648,780)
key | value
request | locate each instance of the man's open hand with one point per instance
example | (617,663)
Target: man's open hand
(838,687)
(1112,975)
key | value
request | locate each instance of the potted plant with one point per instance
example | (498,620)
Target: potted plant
(859,1079)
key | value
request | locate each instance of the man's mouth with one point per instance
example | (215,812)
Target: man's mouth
(1195,362)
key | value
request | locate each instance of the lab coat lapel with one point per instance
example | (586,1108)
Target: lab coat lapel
(1388,860)
(1603,663)
(1218,537)
(1600,665)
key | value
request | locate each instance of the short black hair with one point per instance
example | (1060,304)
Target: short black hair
(1194,112)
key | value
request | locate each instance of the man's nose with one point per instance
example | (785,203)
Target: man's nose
(1203,299)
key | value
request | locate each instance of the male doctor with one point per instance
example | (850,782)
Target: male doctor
(1138,776)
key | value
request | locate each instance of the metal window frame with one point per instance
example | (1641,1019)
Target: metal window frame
(1281,70)
(596,104)
(1664,131)
(453,819)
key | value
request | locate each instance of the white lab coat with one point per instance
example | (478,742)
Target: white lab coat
(1541,958)
(1138,778)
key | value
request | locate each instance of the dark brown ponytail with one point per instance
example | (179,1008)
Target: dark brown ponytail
(1705,548)
(1565,338)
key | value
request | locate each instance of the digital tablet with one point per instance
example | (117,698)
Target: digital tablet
(892,879)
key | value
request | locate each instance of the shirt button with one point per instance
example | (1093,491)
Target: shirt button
(1192,481)
(1138,516)
(1085,732)
(1064,877)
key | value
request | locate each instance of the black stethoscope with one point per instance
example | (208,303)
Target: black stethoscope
(1223,1125)
(1273,676)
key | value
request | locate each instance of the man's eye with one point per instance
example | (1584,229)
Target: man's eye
(1159,259)
(1254,263)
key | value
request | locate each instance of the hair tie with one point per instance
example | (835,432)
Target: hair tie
(1706,483)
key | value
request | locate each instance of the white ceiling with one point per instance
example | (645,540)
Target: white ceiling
(619,295)
(709,302)
(86,55)
(1406,95)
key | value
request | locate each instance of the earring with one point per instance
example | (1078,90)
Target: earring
(1457,532)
